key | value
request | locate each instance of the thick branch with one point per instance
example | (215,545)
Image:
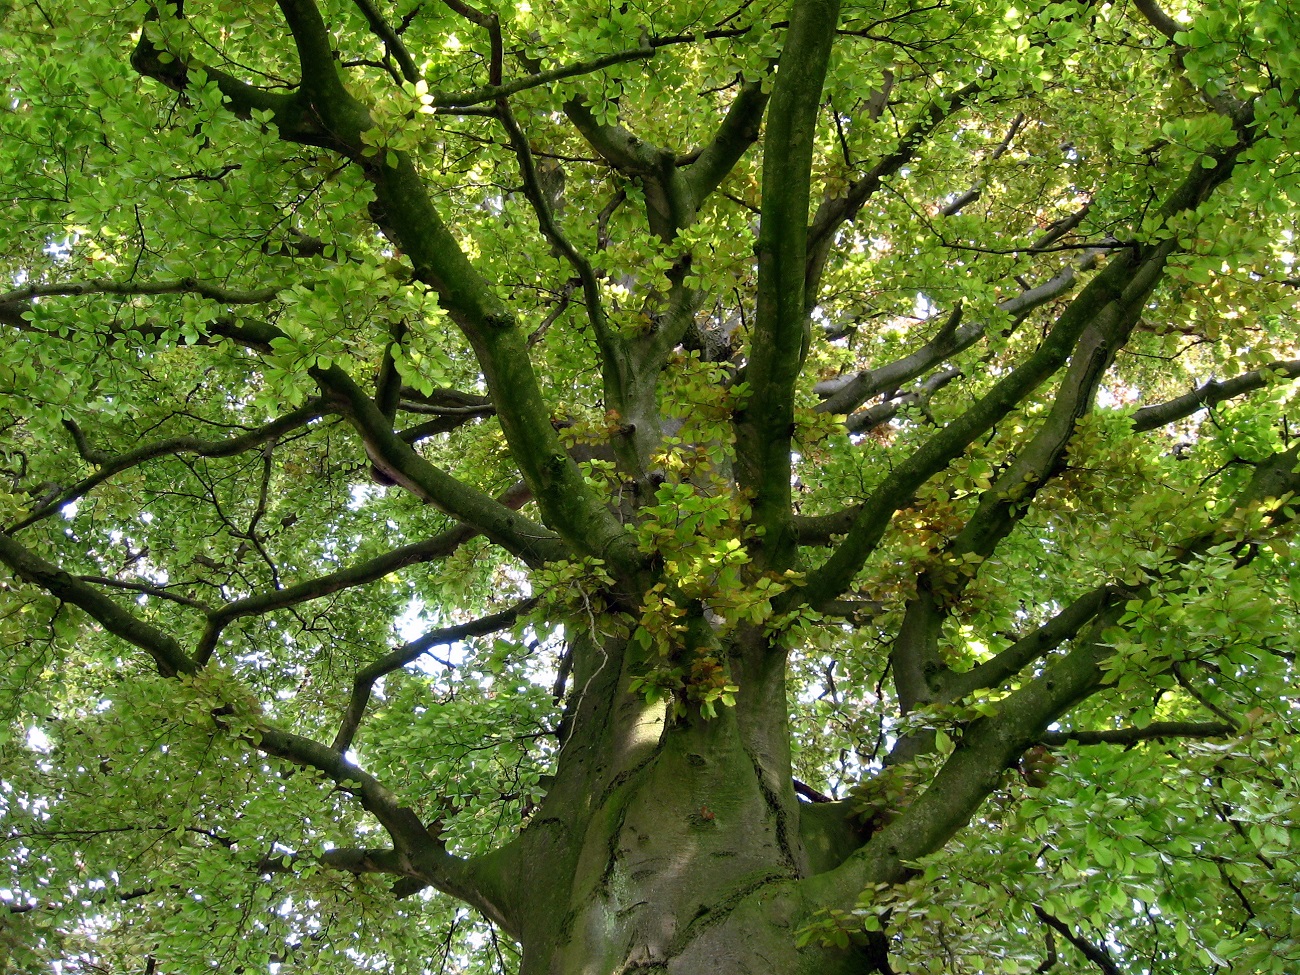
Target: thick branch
(567,504)
(437,547)
(444,423)
(780,338)
(1213,392)
(405,212)
(441,401)
(388,384)
(1157,17)
(405,466)
(492,93)
(320,77)
(990,744)
(163,648)
(1105,307)
(669,206)
(1225,103)
(292,116)
(1060,228)
(1055,286)
(880,414)
(1112,296)
(440,546)
(392,41)
(834,213)
(971,772)
(1039,460)
(739,130)
(416,853)
(1097,956)
(1275,481)
(915,661)
(401,822)
(1042,641)
(1004,504)
(205,289)
(619,147)
(1156,731)
(353,860)
(110,466)
(407,653)
(847,393)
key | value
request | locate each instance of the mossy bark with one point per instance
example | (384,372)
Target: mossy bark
(672,845)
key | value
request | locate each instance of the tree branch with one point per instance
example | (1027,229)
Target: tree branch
(1224,103)
(780,338)
(1042,641)
(987,747)
(146,590)
(353,860)
(1000,508)
(110,465)
(440,546)
(320,77)
(990,744)
(1156,731)
(1157,18)
(963,200)
(401,822)
(1036,462)
(1062,227)
(880,414)
(409,652)
(416,853)
(846,393)
(1212,393)
(1097,956)
(1109,304)
(617,367)
(388,383)
(421,856)
(833,213)
(443,423)
(616,145)
(668,203)
(1114,295)
(393,43)
(293,120)
(405,466)
(442,401)
(360,861)
(405,212)
(163,648)
(739,130)
(22,297)
(492,93)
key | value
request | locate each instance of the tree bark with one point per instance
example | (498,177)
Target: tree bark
(670,844)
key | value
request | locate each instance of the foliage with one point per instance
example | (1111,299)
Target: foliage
(466,468)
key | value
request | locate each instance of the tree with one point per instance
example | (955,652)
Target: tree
(695,487)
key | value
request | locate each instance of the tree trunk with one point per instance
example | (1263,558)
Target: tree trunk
(671,845)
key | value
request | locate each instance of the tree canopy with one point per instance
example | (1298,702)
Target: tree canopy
(703,486)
